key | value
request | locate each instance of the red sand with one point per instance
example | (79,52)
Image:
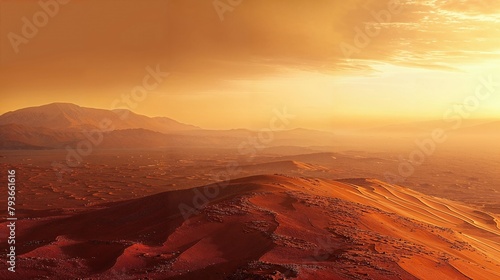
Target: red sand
(266,227)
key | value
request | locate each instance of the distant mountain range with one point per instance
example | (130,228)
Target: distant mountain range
(58,125)
(67,116)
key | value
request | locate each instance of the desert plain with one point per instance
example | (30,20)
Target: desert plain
(287,211)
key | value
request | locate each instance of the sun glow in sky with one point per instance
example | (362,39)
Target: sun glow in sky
(263,55)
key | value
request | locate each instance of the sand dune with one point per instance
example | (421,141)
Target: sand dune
(267,227)
(285,166)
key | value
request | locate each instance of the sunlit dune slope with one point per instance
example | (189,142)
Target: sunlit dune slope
(267,227)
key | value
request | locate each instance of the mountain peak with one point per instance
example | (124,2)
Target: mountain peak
(52,106)
(61,105)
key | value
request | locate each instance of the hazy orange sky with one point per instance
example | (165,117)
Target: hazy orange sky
(264,54)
